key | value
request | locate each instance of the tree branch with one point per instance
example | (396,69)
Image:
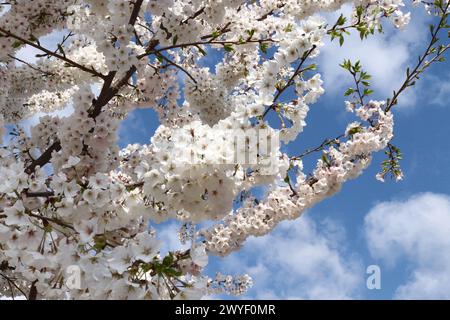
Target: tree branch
(321,147)
(12,282)
(417,69)
(135,13)
(291,80)
(198,43)
(106,94)
(53,54)
(44,158)
(30,65)
(177,66)
(33,291)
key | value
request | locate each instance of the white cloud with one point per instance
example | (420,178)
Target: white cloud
(168,234)
(28,53)
(438,89)
(417,230)
(384,56)
(300,260)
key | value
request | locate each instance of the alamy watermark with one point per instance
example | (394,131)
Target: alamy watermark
(250,148)
(373,281)
(73,277)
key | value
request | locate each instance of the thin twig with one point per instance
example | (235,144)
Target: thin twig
(10,281)
(51,53)
(178,66)
(416,71)
(31,66)
(291,80)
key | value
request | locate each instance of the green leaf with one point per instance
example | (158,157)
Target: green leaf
(359,11)
(61,49)
(349,92)
(326,160)
(203,52)
(215,34)
(264,46)
(357,66)
(228,47)
(251,33)
(168,260)
(289,28)
(354,130)
(173,273)
(346,65)
(175,39)
(368,92)
(33,38)
(17,44)
(341,20)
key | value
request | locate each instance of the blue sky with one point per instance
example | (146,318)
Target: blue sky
(404,227)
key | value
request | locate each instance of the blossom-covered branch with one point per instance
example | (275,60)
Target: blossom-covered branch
(79,216)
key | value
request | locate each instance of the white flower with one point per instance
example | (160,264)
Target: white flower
(71,189)
(199,255)
(99,181)
(380,177)
(90,196)
(16,215)
(58,182)
(87,229)
(72,162)
(121,259)
(126,290)
(65,207)
(102,198)
(146,248)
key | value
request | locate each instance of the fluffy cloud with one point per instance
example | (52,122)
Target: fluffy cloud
(417,230)
(302,259)
(385,57)
(50,41)
(168,234)
(440,90)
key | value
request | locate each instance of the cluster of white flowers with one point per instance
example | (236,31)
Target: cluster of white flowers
(93,140)
(30,19)
(106,22)
(208,98)
(49,85)
(229,284)
(344,163)
(152,87)
(188,20)
(45,132)
(193,172)
(72,203)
